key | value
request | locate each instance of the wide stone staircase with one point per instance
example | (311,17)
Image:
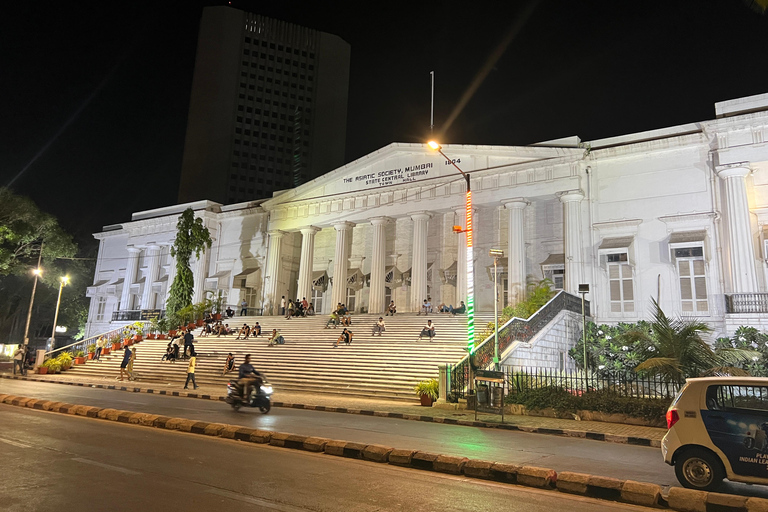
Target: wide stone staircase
(382,367)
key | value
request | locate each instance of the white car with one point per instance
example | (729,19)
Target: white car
(718,428)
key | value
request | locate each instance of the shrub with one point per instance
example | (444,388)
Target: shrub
(428,387)
(605,401)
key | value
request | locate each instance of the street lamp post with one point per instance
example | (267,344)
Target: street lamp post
(37,273)
(584,290)
(64,281)
(496,254)
(470,258)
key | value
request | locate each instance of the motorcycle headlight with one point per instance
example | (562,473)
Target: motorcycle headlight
(267,390)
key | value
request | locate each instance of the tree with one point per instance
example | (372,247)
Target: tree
(681,352)
(24,229)
(192,237)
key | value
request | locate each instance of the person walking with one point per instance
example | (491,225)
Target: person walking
(191,369)
(124,363)
(189,339)
(378,327)
(289,313)
(428,330)
(282,305)
(129,369)
(18,359)
(100,343)
(243,307)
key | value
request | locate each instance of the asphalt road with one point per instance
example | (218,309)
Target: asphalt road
(559,453)
(61,463)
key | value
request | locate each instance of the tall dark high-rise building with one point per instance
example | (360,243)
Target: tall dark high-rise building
(268,109)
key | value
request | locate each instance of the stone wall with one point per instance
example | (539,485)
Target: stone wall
(549,348)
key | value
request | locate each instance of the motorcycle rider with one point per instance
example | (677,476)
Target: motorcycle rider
(247,377)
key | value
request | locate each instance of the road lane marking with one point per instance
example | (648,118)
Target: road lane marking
(256,501)
(15,443)
(125,471)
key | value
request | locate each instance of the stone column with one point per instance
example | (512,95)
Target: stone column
(130,277)
(516,271)
(419,260)
(340,263)
(742,248)
(572,234)
(306,264)
(200,272)
(376,303)
(461,260)
(271,280)
(153,267)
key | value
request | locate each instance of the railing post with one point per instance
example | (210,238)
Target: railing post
(443,384)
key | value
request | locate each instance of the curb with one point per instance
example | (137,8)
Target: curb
(605,488)
(594,436)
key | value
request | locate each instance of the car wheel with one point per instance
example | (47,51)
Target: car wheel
(699,469)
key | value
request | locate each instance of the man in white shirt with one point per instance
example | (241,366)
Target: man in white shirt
(18,359)
(428,330)
(282,305)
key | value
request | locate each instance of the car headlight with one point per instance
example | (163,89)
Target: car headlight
(267,390)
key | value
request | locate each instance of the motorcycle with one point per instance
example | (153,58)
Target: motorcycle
(260,394)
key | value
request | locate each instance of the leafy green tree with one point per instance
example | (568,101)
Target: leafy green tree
(681,351)
(24,230)
(192,237)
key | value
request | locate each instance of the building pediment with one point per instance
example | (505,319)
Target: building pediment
(401,164)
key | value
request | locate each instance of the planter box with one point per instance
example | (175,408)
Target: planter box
(90,355)
(199,323)
(161,337)
(172,333)
(105,351)
(137,338)
(426,400)
(127,342)
(80,360)
(151,337)
(42,370)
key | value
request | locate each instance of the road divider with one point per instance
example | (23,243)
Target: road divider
(626,491)
(583,434)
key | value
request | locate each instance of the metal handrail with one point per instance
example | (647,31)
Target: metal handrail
(515,329)
(83,344)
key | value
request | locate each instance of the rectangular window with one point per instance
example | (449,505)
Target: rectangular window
(101,306)
(693,281)
(751,398)
(620,284)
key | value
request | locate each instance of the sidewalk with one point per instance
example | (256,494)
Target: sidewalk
(613,432)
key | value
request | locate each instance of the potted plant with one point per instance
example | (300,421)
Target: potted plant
(428,391)
(44,368)
(65,359)
(199,311)
(54,366)
(91,350)
(216,303)
(116,344)
(186,314)
(79,357)
(162,328)
(138,329)
(153,328)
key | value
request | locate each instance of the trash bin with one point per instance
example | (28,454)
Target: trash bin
(498,393)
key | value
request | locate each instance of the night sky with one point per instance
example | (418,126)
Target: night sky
(94,96)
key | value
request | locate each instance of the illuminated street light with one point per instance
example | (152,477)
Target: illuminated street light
(470,259)
(64,282)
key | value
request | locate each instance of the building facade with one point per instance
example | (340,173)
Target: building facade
(679,215)
(268,107)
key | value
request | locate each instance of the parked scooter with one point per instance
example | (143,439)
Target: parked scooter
(261,391)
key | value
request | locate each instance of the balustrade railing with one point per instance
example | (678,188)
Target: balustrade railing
(746,303)
(133,315)
(516,329)
(85,342)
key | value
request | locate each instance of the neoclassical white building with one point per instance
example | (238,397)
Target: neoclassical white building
(677,214)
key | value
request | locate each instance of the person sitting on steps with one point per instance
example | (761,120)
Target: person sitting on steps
(424,308)
(378,327)
(428,330)
(256,330)
(229,364)
(275,339)
(333,320)
(245,331)
(459,310)
(392,309)
(346,337)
